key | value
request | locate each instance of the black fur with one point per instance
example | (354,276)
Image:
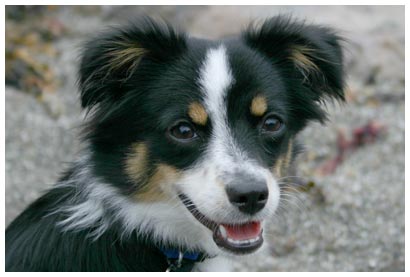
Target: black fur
(137,101)
(34,241)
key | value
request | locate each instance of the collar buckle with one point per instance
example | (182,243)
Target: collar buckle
(174,265)
(182,261)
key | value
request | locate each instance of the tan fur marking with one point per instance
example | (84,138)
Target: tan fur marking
(197,113)
(136,162)
(258,105)
(154,191)
(282,164)
(278,167)
(288,158)
(301,56)
(125,53)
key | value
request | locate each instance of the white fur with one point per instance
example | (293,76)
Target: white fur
(215,78)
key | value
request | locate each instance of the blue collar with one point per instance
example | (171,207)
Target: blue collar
(182,262)
(174,254)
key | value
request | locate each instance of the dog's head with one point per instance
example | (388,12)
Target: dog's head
(207,127)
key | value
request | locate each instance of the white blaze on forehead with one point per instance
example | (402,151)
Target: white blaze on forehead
(215,80)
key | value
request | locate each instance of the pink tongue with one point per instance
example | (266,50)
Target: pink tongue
(242,232)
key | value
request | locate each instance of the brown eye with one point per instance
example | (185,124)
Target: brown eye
(183,131)
(272,124)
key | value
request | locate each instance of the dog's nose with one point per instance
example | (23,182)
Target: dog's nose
(248,194)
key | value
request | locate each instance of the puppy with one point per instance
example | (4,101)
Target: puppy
(186,140)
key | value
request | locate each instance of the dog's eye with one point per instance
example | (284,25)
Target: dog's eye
(183,131)
(272,124)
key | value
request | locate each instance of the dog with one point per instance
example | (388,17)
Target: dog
(186,141)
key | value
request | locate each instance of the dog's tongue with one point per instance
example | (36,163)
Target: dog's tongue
(244,231)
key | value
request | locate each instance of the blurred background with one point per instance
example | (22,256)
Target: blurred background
(346,212)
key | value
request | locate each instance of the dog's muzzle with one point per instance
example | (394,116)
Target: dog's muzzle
(241,238)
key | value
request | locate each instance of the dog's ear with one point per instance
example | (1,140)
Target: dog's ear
(109,60)
(309,55)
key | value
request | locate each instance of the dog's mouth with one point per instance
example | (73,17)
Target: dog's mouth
(239,239)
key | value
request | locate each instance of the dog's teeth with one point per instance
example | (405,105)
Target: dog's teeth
(222,230)
(247,241)
(253,240)
(234,241)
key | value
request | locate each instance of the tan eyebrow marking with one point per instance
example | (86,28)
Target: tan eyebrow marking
(258,105)
(197,113)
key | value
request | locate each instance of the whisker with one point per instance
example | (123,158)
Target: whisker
(292,176)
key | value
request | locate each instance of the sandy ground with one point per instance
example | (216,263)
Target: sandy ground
(352,220)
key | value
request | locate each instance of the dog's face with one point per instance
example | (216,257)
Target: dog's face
(204,125)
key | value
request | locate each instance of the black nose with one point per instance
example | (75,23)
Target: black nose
(248,194)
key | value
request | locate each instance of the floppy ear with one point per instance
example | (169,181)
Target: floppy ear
(109,60)
(309,55)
